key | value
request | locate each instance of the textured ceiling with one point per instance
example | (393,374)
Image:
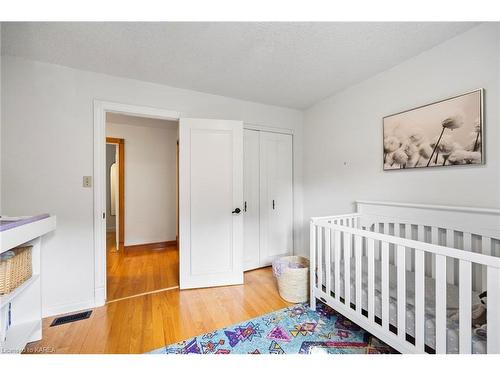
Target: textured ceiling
(288,64)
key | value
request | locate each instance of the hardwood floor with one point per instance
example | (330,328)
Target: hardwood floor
(144,323)
(139,270)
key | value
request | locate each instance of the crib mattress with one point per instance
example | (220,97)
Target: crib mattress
(478,342)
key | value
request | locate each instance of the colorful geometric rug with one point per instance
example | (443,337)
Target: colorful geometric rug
(292,330)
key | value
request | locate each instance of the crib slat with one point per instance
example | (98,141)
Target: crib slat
(420,233)
(419,300)
(493,311)
(396,234)
(401,290)
(376,229)
(385,285)
(467,241)
(312,265)
(347,269)
(435,235)
(465,288)
(467,246)
(371,278)
(408,235)
(358,255)
(435,241)
(386,230)
(397,230)
(337,249)
(320,258)
(440,304)
(450,242)
(328,264)
(486,250)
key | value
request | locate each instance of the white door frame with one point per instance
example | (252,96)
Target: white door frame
(100,110)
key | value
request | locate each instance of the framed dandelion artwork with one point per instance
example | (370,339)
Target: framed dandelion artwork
(444,133)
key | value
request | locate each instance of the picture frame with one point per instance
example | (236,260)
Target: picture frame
(448,132)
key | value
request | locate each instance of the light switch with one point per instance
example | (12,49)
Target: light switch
(87,181)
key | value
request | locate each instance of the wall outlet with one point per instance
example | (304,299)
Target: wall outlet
(87,181)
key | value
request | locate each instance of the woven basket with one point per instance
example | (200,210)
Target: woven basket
(15,270)
(293,283)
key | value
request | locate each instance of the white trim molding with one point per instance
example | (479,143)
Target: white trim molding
(100,109)
(68,307)
(270,129)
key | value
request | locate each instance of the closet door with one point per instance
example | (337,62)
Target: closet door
(276,196)
(251,207)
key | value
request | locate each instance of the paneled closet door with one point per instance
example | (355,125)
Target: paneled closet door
(276,196)
(251,209)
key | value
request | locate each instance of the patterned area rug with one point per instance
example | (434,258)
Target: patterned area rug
(292,330)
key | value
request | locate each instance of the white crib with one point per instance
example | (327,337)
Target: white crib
(421,262)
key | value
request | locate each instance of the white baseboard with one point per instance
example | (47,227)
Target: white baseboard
(144,241)
(67,308)
(99,297)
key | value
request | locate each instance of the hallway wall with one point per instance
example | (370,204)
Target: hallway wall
(150,180)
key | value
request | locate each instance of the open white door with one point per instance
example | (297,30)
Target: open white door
(210,202)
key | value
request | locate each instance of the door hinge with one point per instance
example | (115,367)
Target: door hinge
(245,206)
(104,215)
(273,204)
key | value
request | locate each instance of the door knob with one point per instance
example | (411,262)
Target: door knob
(236,211)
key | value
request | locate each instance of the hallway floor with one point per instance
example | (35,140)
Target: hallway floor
(139,269)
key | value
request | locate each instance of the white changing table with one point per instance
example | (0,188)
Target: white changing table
(25,301)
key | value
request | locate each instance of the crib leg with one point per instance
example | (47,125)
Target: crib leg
(312,266)
(312,303)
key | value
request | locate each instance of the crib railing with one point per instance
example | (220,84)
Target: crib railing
(337,238)
(451,237)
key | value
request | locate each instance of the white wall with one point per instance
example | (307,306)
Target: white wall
(1,122)
(47,146)
(343,134)
(150,181)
